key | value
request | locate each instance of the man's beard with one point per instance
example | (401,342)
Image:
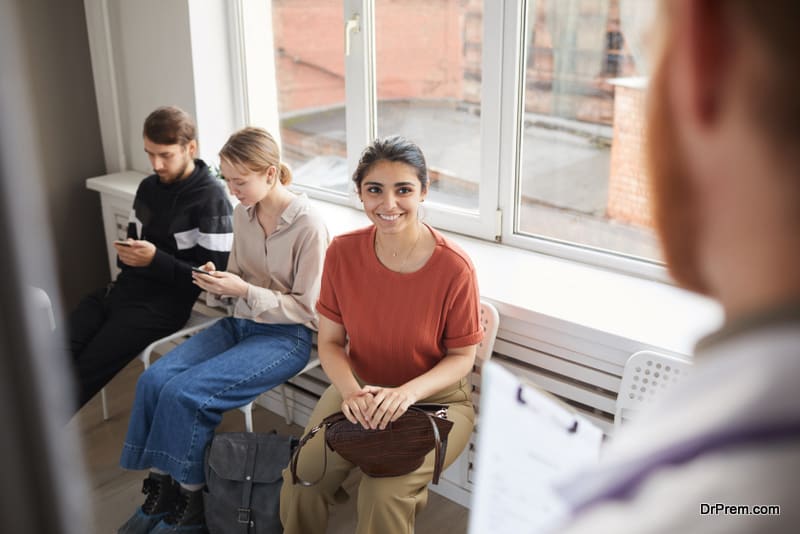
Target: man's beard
(674,201)
(170,178)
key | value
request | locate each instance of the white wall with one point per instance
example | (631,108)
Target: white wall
(153,65)
(149,53)
(63,121)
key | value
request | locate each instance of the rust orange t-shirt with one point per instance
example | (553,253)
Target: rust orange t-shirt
(399,325)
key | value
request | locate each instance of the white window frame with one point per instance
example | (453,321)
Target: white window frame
(250,23)
(504,33)
(361,112)
(361,107)
(515,19)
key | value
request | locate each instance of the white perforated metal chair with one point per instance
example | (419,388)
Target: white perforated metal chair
(42,304)
(286,392)
(197,322)
(460,472)
(646,375)
(490,322)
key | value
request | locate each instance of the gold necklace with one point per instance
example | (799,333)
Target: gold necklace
(394,254)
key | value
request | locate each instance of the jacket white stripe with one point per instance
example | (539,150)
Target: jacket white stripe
(190,238)
(218,242)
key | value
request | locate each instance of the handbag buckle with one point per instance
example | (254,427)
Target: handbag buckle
(243,516)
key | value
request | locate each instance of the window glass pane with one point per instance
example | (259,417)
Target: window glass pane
(581,171)
(428,68)
(309,62)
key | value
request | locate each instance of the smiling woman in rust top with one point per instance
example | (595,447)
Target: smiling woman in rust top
(399,324)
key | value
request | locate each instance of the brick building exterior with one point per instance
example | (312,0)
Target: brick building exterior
(628,192)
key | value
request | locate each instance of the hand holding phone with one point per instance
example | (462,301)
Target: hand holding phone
(123,243)
(199,270)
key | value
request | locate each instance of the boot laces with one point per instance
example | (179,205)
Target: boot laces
(152,489)
(175,516)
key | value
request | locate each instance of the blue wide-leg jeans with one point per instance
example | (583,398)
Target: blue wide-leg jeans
(180,399)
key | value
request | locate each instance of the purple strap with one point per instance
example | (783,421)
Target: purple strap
(687,451)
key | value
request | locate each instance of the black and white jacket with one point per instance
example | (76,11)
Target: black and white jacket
(190,223)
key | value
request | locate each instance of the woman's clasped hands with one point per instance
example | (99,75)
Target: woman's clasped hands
(374,407)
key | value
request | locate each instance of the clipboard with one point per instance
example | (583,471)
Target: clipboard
(528,441)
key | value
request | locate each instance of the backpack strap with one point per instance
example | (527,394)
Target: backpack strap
(244,513)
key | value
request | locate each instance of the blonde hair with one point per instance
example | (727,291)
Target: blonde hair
(256,150)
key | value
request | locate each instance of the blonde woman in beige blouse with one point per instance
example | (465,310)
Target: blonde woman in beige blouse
(273,274)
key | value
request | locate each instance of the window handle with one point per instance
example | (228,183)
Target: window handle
(352,25)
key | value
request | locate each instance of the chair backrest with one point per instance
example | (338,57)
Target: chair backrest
(646,375)
(42,304)
(490,321)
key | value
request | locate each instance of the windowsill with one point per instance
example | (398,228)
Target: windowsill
(608,307)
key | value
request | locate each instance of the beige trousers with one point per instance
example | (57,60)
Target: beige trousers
(385,505)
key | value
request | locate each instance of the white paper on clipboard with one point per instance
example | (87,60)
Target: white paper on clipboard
(527,441)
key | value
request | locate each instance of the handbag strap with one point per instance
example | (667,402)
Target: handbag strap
(338,416)
(296,455)
(439,447)
(244,511)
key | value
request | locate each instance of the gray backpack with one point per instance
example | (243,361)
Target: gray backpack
(243,479)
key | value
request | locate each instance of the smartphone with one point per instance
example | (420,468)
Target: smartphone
(199,270)
(123,243)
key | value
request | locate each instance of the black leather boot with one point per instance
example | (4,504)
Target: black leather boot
(187,517)
(162,496)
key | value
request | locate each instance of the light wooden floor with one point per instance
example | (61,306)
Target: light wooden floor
(116,492)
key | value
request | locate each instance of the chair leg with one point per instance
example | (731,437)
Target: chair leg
(287,410)
(248,417)
(104,402)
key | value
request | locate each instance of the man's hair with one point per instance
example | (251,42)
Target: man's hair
(170,125)
(775,97)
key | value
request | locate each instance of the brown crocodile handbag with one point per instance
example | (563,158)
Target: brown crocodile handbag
(398,449)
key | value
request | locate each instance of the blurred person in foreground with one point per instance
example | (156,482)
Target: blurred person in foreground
(724,156)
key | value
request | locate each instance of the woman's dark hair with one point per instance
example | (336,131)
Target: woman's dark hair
(170,125)
(393,148)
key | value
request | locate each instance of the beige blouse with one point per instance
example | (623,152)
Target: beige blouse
(283,269)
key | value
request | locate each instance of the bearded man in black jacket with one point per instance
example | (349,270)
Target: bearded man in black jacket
(181,218)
